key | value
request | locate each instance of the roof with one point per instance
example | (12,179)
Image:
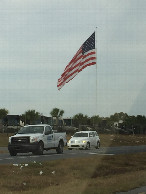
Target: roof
(85,131)
(43,125)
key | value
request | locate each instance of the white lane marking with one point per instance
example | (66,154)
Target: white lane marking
(46,155)
(92,153)
(107,154)
(22,157)
(34,156)
(8,158)
(101,154)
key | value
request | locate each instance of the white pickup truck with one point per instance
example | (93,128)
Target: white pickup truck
(84,140)
(36,139)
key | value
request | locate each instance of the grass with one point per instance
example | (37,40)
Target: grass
(4,138)
(122,140)
(94,175)
(97,174)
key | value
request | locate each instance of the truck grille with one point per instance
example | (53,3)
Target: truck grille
(20,140)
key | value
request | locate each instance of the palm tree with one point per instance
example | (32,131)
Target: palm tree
(57,113)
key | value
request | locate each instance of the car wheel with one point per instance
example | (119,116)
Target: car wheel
(59,150)
(13,153)
(98,145)
(87,146)
(40,149)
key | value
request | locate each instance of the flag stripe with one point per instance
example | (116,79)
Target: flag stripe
(73,65)
(85,56)
(77,70)
(80,63)
(79,53)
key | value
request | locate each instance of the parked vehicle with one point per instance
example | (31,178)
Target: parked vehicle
(36,139)
(84,140)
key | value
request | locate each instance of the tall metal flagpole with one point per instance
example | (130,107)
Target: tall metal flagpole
(96,65)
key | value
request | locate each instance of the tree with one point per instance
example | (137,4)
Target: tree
(130,124)
(95,120)
(140,123)
(80,119)
(3,113)
(57,113)
(3,116)
(118,116)
(30,117)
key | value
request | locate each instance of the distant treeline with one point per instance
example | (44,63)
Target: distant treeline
(117,123)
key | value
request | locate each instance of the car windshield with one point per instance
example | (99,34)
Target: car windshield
(31,129)
(80,135)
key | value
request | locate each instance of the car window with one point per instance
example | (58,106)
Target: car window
(80,135)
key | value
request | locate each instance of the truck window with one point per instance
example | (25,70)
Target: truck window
(31,129)
(48,130)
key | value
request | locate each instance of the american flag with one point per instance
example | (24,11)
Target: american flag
(85,56)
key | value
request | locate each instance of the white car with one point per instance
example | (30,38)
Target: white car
(84,140)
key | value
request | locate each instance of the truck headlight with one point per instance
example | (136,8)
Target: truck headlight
(33,139)
(69,141)
(9,139)
(84,141)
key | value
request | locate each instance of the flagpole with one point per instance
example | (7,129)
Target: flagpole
(96,66)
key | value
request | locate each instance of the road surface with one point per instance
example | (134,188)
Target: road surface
(5,158)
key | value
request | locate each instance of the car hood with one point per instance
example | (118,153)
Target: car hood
(78,138)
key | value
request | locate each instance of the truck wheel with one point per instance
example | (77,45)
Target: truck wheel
(13,153)
(40,149)
(98,145)
(34,153)
(59,150)
(87,146)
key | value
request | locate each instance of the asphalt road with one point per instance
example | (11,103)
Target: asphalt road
(5,158)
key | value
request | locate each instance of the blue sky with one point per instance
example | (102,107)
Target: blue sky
(38,38)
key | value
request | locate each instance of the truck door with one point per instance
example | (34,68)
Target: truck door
(48,137)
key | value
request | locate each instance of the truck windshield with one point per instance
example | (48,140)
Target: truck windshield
(80,135)
(31,129)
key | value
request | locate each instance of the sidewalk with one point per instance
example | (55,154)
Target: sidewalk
(141,190)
